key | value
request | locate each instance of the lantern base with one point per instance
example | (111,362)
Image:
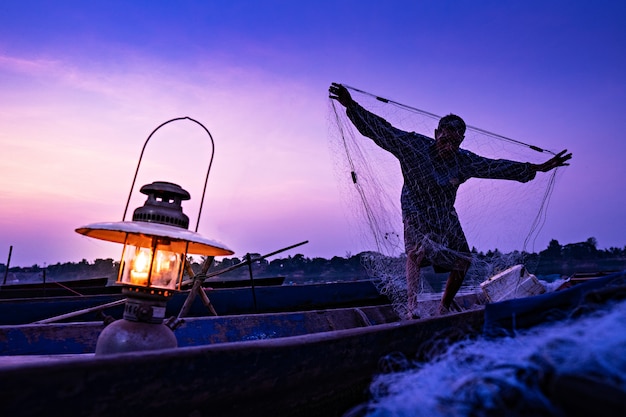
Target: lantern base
(123,336)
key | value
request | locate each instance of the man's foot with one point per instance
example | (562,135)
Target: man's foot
(443,310)
(412,315)
(454,306)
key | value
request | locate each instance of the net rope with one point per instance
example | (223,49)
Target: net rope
(501,219)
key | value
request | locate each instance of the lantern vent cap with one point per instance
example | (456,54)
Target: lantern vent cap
(163,205)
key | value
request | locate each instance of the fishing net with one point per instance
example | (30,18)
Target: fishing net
(500,218)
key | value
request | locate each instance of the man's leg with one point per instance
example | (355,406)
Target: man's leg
(455,280)
(413,261)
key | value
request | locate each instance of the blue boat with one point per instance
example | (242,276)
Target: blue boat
(226,301)
(317,362)
(79,287)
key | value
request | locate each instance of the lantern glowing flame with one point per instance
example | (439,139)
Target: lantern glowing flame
(140,268)
(154,254)
(156,242)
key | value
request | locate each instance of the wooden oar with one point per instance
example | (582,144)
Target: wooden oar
(198,279)
(81,312)
(246,262)
(197,289)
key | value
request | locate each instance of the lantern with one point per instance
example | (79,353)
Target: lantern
(156,241)
(156,244)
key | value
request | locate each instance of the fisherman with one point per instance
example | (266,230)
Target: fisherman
(432,171)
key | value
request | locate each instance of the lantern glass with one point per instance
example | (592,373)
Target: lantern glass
(153,267)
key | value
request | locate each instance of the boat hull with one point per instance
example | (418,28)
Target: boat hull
(301,363)
(309,374)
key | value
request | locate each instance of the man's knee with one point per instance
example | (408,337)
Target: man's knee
(462,264)
(415,254)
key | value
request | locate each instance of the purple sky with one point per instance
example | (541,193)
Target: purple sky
(84,83)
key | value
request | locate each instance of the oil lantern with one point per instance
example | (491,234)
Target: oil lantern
(156,244)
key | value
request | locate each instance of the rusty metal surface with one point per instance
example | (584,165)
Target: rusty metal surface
(78,338)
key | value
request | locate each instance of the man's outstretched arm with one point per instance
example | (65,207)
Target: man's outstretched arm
(371,125)
(556,161)
(341,94)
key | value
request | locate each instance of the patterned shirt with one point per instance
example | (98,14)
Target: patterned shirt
(431,182)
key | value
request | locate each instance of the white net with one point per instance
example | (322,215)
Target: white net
(500,218)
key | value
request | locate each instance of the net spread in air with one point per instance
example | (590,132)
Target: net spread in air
(400,194)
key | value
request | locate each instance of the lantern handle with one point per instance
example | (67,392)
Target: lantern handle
(206,179)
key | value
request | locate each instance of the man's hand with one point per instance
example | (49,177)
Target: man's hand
(556,161)
(340,93)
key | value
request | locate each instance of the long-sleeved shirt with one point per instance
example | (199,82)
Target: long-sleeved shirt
(430,181)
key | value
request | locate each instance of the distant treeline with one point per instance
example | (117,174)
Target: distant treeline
(578,257)
(555,259)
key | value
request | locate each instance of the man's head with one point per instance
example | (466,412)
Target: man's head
(449,134)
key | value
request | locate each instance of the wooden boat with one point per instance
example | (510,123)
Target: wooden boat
(79,287)
(300,363)
(218,282)
(510,315)
(97,286)
(226,301)
(323,362)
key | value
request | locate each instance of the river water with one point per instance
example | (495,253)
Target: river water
(571,368)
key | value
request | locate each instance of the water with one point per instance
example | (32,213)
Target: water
(559,369)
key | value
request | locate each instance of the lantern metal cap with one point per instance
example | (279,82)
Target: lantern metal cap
(142,233)
(163,204)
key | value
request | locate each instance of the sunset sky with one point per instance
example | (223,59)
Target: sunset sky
(82,85)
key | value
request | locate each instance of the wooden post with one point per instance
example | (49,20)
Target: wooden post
(249,262)
(6,271)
